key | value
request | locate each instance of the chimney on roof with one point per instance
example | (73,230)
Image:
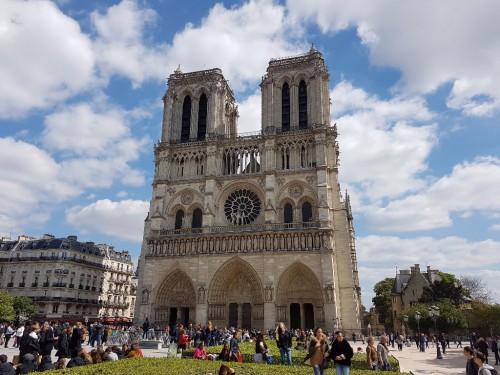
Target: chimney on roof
(429,270)
(417,268)
(412,269)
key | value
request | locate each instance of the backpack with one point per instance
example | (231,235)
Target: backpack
(491,368)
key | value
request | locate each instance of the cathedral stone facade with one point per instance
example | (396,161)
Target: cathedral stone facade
(249,230)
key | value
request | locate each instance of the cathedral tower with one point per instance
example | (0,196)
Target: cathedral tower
(249,230)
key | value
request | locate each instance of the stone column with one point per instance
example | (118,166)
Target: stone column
(201,313)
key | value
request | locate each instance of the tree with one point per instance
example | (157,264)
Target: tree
(475,288)
(6,307)
(382,301)
(485,319)
(440,290)
(24,308)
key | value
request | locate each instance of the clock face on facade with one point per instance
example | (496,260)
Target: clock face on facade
(242,207)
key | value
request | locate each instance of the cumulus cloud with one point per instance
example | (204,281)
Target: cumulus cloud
(30,184)
(95,143)
(428,45)
(250,110)
(431,207)
(384,144)
(122,220)
(45,57)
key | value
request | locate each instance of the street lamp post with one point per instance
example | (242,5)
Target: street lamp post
(405,320)
(434,314)
(418,339)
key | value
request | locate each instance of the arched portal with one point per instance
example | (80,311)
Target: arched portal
(175,300)
(299,298)
(235,295)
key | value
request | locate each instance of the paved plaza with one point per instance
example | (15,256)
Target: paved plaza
(453,362)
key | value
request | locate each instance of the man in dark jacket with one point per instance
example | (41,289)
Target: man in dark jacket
(29,365)
(284,343)
(46,340)
(6,368)
(75,343)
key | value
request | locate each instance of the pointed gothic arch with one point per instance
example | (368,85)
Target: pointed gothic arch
(236,287)
(299,297)
(175,299)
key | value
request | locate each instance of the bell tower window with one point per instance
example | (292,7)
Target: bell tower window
(197,219)
(186,119)
(306,212)
(288,213)
(202,117)
(302,105)
(179,219)
(285,108)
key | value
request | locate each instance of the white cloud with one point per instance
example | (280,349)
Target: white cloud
(431,43)
(30,184)
(383,151)
(96,143)
(122,220)
(431,207)
(250,113)
(45,57)
(239,40)
(121,47)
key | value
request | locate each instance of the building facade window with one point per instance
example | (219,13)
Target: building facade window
(197,221)
(285,108)
(307,212)
(202,117)
(179,219)
(288,213)
(302,105)
(186,119)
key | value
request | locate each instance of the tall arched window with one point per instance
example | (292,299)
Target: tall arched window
(288,213)
(307,212)
(302,105)
(186,119)
(202,117)
(197,219)
(179,219)
(285,108)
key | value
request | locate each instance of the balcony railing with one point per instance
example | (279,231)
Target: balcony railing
(46,285)
(34,285)
(59,285)
(87,287)
(10,285)
(71,286)
(22,285)
(80,286)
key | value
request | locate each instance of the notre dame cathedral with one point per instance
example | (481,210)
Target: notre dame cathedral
(248,230)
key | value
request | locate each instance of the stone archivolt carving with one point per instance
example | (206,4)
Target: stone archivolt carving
(202,189)
(171,191)
(187,197)
(201,294)
(145,297)
(296,191)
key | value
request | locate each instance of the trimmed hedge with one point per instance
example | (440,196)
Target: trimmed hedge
(161,366)
(358,362)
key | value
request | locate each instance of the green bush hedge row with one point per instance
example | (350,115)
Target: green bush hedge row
(248,349)
(161,366)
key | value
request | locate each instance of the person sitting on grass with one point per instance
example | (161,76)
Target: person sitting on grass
(226,370)
(225,353)
(200,352)
(29,364)
(6,368)
(82,359)
(60,364)
(46,364)
(135,351)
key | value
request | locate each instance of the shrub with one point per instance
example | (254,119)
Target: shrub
(161,366)
(248,350)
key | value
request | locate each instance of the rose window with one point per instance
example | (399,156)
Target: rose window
(242,207)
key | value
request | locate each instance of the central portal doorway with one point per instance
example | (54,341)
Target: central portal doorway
(295,315)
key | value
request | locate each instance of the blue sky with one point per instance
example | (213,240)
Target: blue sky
(415,92)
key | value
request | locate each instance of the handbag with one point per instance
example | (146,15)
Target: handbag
(325,363)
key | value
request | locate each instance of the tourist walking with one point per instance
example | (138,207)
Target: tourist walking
(471,368)
(341,353)
(284,342)
(484,367)
(482,346)
(77,336)
(9,332)
(494,349)
(318,351)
